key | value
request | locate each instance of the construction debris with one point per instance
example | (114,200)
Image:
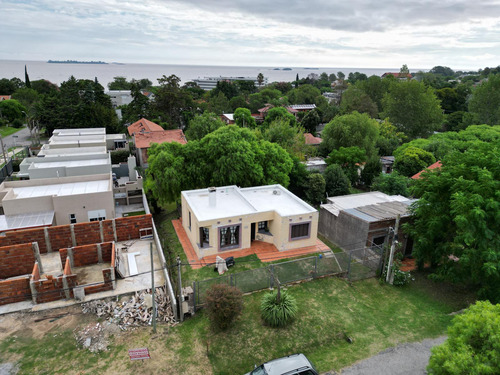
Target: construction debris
(93,338)
(136,311)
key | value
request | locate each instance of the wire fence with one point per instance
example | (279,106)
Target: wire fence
(354,265)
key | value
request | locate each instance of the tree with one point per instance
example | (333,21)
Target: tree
(442,70)
(413,108)
(42,86)
(204,124)
(404,71)
(376,88)
(243,117)
(27,97)
(298,178)
(336,182)
(219,104)
(229,89)
(315,192)
(305,94)
(291,138)
(390,139)
(9,86)
(412,160)
(332,77)
(372,169)
(311,121)
(456,224)
(279,113)
(228,156)
(355,99)
(26,78)
(119,83)
(485,101)
(238,102)
(356,76)
(139,107)
(223,304)
(350,159)
(472,346)
(341,76)
(260,79)
(392,184)
(11,109)
(171,101)
(354,129)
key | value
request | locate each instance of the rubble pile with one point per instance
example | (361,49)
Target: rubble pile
(136,311)
(92,337)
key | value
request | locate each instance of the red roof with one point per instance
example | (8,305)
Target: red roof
(144,140)
(4,97)
(397,75)
(311,139)
(266,108)
(143,126)
(430,167)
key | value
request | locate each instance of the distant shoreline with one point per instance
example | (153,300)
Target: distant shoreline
(75,62)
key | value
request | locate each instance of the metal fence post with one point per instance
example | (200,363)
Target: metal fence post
(349,267)
(315,267)
(271,277)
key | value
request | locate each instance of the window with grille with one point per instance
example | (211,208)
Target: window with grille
(229,237)
(263,226)
(72,218)
(299,231)
(204,236)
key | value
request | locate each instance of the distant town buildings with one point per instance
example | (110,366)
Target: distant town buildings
(209,83)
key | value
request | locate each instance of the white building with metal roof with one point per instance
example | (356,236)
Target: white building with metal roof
(231,218)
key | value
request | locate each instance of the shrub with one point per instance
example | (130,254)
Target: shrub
(223,304)
(401,278)
(17,123)
(278,312)
(120,156)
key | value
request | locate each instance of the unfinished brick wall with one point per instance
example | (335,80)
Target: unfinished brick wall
(108,276)
(107,249)
(16,260)
(52,288)
(88,254)
(85,233)
(15,290)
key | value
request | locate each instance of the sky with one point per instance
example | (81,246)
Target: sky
(461,34)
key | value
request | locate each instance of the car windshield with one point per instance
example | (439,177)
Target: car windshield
(259,371)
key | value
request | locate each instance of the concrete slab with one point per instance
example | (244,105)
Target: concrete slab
(90,274)
(51,264)
(128,285)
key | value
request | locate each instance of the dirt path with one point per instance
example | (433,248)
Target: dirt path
(409,358)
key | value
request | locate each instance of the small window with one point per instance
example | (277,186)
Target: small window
(189,220)
(263,226)
(72,218)
(97,215)
(299,231)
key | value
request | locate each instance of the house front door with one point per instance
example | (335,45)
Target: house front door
(252,232)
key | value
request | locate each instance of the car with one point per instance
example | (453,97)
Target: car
(295,364)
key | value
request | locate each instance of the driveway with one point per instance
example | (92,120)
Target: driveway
(409,358)
(20,138)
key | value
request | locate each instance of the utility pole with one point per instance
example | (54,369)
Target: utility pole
(179,281)
(153,286)
(390,276)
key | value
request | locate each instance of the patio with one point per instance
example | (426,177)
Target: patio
(266,252)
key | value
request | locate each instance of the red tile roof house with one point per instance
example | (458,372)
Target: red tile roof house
(146,132)
(398,75)
(436,165)
(4,97)
(312,140)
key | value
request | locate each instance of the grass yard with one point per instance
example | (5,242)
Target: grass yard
(8,130)
(376,316)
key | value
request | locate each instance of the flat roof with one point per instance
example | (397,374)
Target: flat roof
(68,163)
(79,132)
(71,188)
(84,138)
(46,151)
(232,201)
(372,206)
(29,220)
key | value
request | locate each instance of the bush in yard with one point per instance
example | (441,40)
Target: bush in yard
(223,304)
(278,309)
(473,344)
(120,156)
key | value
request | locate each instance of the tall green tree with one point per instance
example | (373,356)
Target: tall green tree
(26,78)
(392,184)
(11,110)
(355,99)
(228,156)
(279,113)
(336,182)
(204,124)
(350,159)
(413,108)
(484,103)
(315,192)
(456,225)
(260,79)
(243,117)
(355,129)
(172,102)
(411,160)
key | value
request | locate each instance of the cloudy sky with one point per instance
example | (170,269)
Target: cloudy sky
(462,34)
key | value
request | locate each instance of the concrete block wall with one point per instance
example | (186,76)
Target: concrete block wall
(61,236)
(15,290)
(16,260)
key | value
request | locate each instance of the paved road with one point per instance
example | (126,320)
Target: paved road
(23,139)
(410,358)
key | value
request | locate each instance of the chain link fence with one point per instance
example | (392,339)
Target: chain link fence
(354,265)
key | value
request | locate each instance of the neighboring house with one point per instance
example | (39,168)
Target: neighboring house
(143,126)
(144,140)
(64,166)
(228,118)
(302,107)
(312,140)
(436,165)
(387,164)
(87,137)
(364,220)
(398,75)
(209,83)
(315,164)
(124,97)
(4,97)
(56,201)
(231,218)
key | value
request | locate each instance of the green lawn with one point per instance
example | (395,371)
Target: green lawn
(8,130)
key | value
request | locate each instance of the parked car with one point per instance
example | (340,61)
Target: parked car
(295,364)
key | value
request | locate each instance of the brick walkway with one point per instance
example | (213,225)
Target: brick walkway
(266,252)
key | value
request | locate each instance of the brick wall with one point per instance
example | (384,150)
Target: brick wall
(63,254)
(108,276)
(52,288)
(85,255)
(85,233)
(16,260)
(15,290)
(107,249)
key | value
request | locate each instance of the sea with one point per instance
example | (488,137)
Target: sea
(105,73)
